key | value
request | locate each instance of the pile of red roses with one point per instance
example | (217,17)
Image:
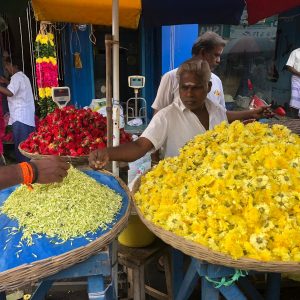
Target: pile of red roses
(70,131)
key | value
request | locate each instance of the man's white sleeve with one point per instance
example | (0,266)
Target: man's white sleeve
(165,93)
(291,60)
(14,85)
(156,131)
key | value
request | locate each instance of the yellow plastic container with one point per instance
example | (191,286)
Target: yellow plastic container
(136,234)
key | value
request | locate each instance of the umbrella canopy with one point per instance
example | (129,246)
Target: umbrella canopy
(249,44)
(260,9)
(97,12)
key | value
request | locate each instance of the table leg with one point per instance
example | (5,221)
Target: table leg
(177,270)
(273,286)
(42,290)
(208,291)
(96,287)
(189,282)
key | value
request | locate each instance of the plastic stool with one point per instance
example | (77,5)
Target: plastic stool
(135,260)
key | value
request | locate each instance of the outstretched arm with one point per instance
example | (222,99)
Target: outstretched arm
(49,170)
(127,152)
(6,91)
(293,70)
(257,113)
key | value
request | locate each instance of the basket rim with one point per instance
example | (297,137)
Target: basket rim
(35,271)
(201,252)
(39,156)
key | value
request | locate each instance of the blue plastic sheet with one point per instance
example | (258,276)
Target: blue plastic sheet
(43,247)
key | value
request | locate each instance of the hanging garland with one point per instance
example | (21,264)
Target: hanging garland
(46,69)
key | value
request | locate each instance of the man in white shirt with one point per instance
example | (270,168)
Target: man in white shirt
(172,127)
(21,104)
(293,65)
(209,47)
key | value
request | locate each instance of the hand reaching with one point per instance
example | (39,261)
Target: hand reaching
(98,159)
(262,112)
(52,169)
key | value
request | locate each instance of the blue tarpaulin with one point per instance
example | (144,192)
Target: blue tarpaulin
(43,247)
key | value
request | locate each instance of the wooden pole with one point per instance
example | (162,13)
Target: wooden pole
(108,59)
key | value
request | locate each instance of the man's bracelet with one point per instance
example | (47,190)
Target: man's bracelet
(35,172)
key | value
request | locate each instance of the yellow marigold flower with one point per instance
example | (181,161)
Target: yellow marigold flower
(42,93)
(53,60)
(48,92)
(38,38)
(44,39)
(50,36)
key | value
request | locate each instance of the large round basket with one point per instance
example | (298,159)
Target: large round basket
(74,160)
(55,258)
(203,253)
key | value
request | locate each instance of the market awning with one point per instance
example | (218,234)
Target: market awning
(87,11)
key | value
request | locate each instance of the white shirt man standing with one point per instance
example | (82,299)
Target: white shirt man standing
(293,65)
(209,47)
(21,105)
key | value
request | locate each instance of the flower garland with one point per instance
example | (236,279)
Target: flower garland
(234,189)
(46,70)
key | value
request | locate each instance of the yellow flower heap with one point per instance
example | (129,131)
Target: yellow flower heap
(234,189)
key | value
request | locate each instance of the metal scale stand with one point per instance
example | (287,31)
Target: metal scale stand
(136,107)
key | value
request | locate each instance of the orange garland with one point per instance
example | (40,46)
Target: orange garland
(27,172)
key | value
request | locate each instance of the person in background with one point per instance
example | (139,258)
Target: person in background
(293,66)
(173,126)
(47,170)
(2,133)
(20,102)
(209,47)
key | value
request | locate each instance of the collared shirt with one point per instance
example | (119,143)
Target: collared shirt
(21,104)
(168,90)
(294,60)
(172,127)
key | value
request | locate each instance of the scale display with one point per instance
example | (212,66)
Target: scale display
(61,95)
(136,81)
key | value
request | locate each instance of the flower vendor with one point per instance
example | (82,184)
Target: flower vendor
(20,102)
(179,122)
(46,170)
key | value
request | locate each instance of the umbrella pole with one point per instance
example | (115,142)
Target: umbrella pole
(116,91)
(116,120)
(108,60)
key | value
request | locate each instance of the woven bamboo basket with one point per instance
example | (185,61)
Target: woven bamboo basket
(292,124)
(74,160)
(204,253)
(33,272)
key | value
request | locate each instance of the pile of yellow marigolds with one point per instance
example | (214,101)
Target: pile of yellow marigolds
(234,189)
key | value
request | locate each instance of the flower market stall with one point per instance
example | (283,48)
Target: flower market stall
(230,198)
